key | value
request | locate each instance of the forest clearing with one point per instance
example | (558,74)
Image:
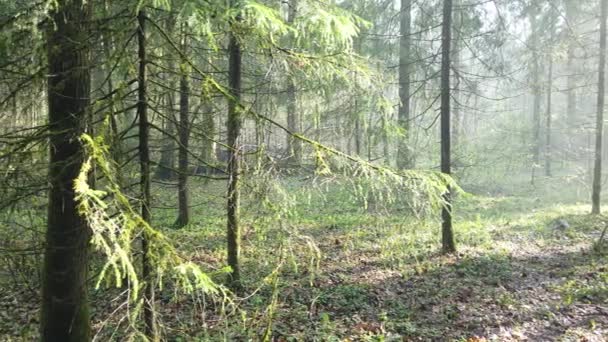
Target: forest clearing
(303,170)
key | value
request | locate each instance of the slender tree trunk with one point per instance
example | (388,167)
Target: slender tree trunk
(548,150)
(385,140)
(65,308)
(116,144)
(447,236)
(166,165)
(183,217)
(209,146)
(456,62)
(599,126)
(294,122)
(144,160)
(357,133)
(233,126)
(571,81)
(404,158)
(536,144)
(294,145)
(370,138)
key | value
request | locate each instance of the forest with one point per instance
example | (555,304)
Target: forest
(303,170)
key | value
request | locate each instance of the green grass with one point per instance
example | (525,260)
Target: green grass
(374,273)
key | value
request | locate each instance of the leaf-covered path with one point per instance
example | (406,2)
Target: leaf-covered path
(518,279)
(380,278)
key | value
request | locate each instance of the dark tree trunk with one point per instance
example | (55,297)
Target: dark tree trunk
(233,126)
(184,137)
(597,169)
(447,235)
(65,309)
(404,157)
(144,160)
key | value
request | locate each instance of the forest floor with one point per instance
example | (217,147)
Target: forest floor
(350,273)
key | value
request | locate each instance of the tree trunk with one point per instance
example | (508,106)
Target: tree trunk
(294,122)
(456,61)
(115,143)
(233,126)
(597,170)
(209,130)
(166,165)
(357,133)
(548,150)
(385,140)
(144,162)
(404,158)
(447,238)
(64,308)
(183,217)
(209,150)
(571,81)
(537,93)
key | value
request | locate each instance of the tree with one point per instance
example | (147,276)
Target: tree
(404,158)
(599,123)
(548,150)
(65,309)
(166,164)
(457,65)
(571,82)
(144,163)
(536,88)
(294,119)
(233,126)
(184,137)
(447,234)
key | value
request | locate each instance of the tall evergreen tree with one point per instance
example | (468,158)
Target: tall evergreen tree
(65,308)
(183,195)
(448,244)
(144,163)
(233,126)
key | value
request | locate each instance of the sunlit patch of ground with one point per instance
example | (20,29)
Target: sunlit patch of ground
(518,276)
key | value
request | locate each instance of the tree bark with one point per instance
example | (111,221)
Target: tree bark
(447,236)
(456,62)
(599,126)
(404,157)
(144,162)
(64,308)
(184,137)
(233,126)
